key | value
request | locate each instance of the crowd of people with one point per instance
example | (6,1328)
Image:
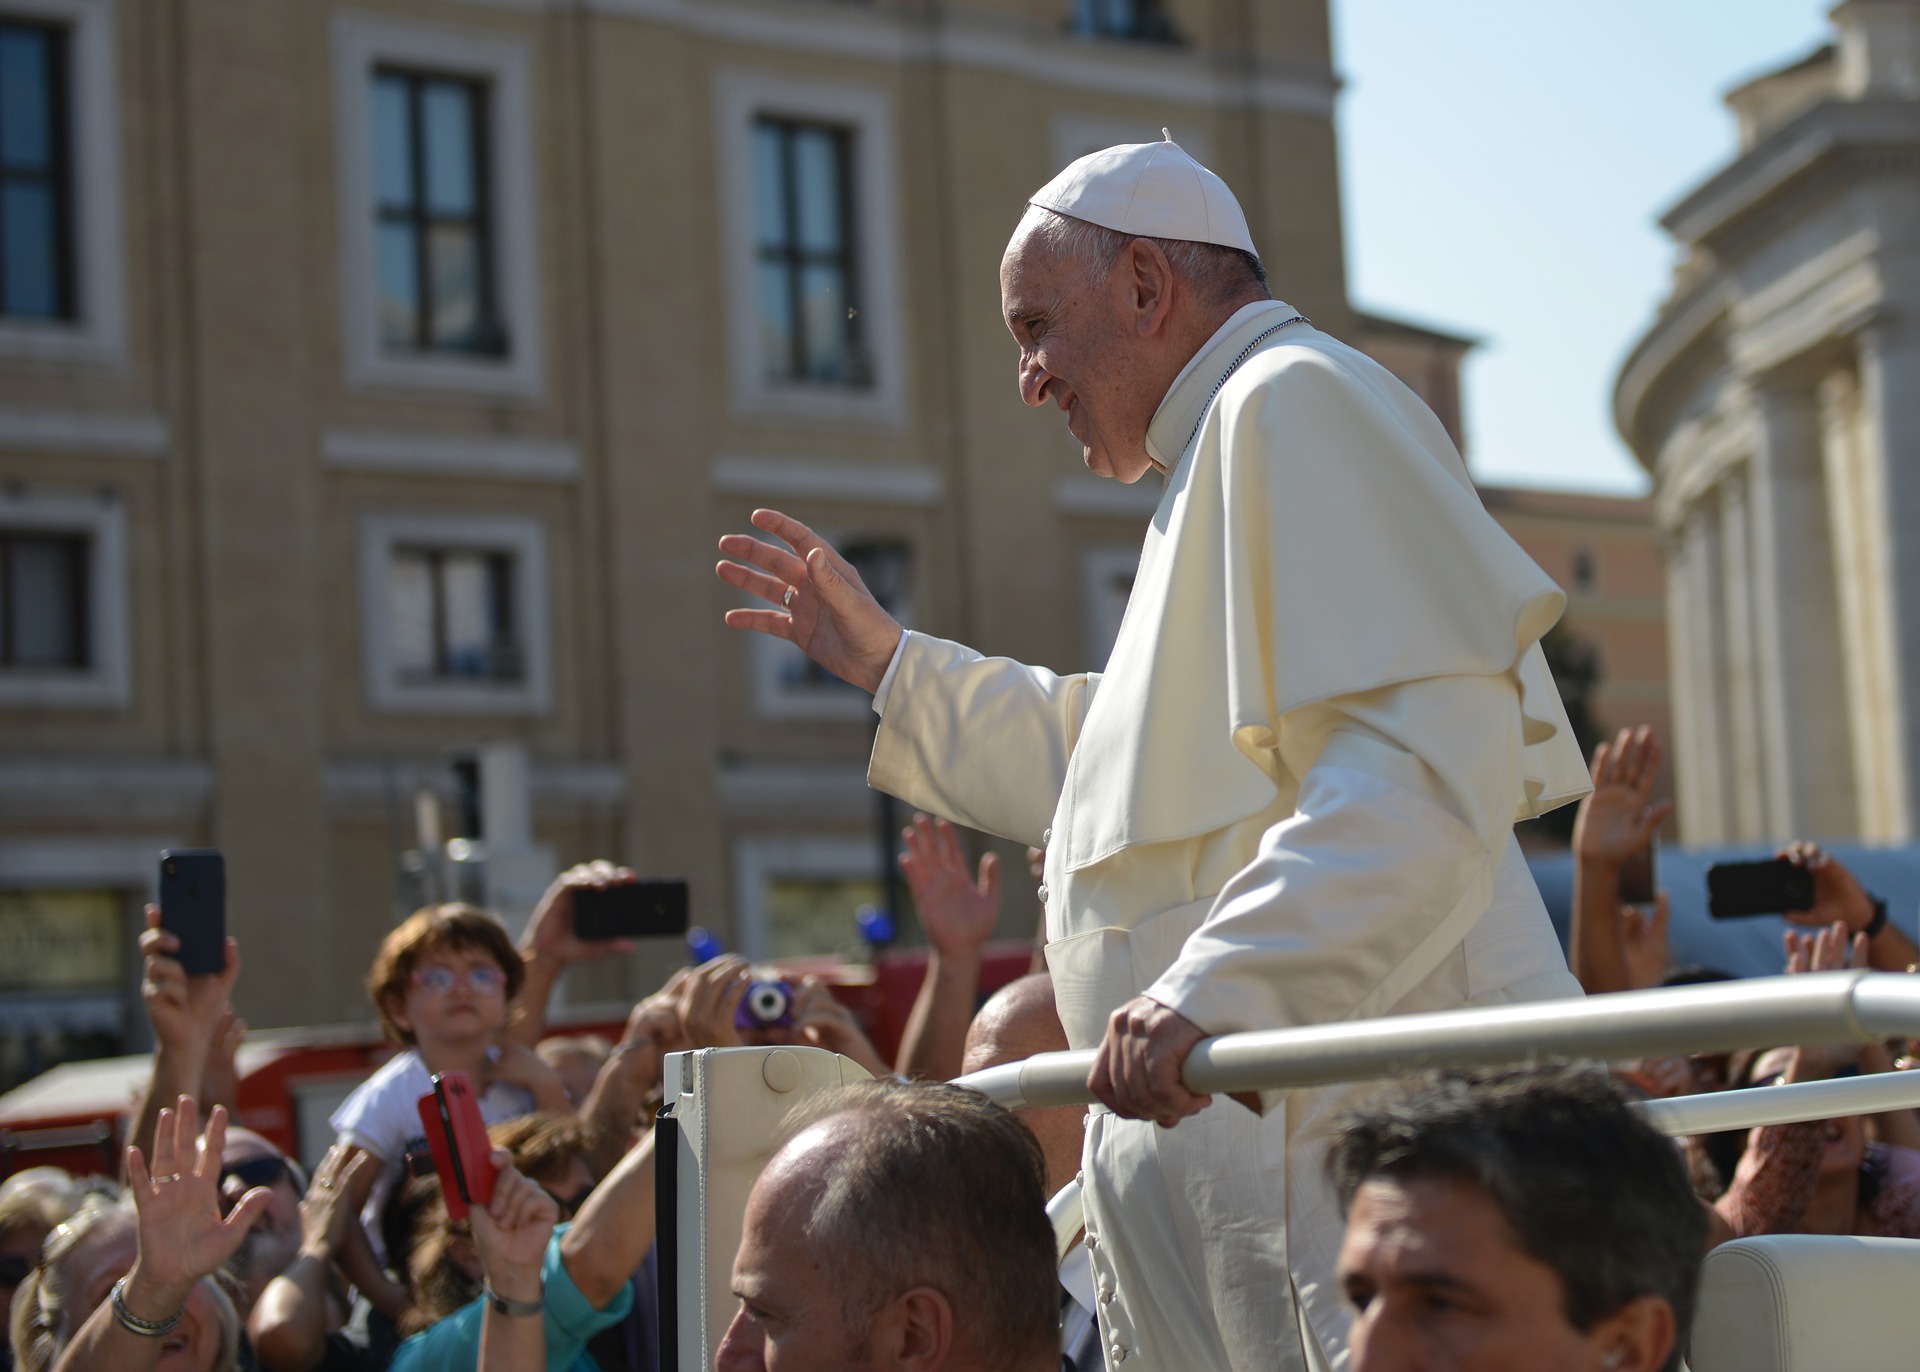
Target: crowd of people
(902,1223)
(1856,1175)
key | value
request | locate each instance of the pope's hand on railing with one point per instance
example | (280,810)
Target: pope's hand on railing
(1136,1069)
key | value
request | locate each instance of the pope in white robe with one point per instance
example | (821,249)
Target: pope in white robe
(1289,798)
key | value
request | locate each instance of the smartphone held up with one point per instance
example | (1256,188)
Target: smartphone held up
(193,907)
(1772,886)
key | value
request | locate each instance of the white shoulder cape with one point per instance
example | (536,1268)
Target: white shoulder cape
(1319,537)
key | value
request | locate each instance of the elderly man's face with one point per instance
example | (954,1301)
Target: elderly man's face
(1439,1283)
(790,1316)
(1074,338)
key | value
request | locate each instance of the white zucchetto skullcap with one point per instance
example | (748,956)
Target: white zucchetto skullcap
(1150,190)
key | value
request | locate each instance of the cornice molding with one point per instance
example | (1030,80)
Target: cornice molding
(993,43)
(1830,141)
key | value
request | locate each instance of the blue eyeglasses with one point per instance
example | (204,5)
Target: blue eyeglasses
(439,981)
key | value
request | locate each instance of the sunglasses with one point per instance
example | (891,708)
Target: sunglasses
(439,981)
(264,1170)
(569,1205)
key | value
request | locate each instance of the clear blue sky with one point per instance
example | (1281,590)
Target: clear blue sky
(1503,163)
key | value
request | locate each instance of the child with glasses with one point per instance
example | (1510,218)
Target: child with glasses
(443,984)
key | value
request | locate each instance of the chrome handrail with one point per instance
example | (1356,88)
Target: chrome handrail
(1764,1012)
(1806,1100)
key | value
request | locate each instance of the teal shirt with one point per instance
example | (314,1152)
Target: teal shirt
(453,1345)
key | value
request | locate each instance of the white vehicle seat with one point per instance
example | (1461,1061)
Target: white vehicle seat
(1809,1303)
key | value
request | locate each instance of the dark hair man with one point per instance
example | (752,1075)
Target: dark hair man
(1524,1221)
(900,1226)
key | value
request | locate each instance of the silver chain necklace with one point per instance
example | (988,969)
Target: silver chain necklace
(1245,353)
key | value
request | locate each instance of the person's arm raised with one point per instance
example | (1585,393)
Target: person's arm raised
(611,1111)
(289,1321)
(182,1238)
(959,915)
(1615,823)
(550,946)
(510,1233)
(829,615)
(609,1238)
(1838,897)
(186,1014)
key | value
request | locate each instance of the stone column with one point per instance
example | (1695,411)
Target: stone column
(1862,598)
(1798,653)
(1694,582)
(1890,455)
(1745,764)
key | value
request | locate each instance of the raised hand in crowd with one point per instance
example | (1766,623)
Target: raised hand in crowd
(510,1233)
(181,1238)
(1615,824)
(709,998)
(1839,898)
(612,1111)
(1832,949)
(188,1015)
(959,911)
(297,1310)
(821,1021)
(550,945)
(713,992)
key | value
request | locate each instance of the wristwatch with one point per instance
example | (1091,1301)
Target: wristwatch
(1879,921)
(507,1307)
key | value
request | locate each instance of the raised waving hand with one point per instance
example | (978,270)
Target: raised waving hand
(824,608)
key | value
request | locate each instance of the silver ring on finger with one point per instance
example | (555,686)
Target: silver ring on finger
(161,1181)
(786,601)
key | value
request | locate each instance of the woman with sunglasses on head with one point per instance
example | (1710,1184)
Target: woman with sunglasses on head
(125,1285)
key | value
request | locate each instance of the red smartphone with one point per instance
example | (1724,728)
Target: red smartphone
(457,1138)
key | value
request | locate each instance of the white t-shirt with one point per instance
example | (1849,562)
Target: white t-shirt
(383,1117)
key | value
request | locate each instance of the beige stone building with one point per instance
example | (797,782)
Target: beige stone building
(1776,400)
(376,377)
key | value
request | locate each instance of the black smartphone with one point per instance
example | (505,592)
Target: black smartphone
(636,909)
(193,907)
(1638,876)
(1736,890)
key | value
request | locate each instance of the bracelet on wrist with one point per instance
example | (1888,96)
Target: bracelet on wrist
(1873,926)
(134,1324)
(519,1308)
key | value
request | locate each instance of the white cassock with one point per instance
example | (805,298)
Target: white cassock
(1288,800)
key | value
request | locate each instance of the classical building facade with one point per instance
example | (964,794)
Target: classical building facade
(376,377)
(1776,400)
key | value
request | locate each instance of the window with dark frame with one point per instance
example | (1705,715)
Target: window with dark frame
(809,287)
(44,595)
(453,616)
(1143,19)
(1585,571)
(434,236)
(36,173)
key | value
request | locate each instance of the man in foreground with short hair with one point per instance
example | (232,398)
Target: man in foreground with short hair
(901,1225)
(1017,1021)
(1523,1221)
